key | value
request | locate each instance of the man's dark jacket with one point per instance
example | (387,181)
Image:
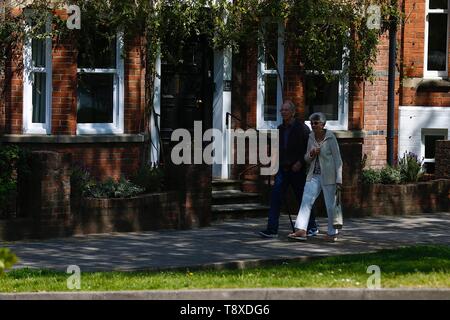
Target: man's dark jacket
(296,145)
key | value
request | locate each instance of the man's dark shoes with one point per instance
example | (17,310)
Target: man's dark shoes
(268,234)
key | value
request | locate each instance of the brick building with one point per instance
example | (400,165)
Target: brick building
(97,114)
(358,111)
(54,101)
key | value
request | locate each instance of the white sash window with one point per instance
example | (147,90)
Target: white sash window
(100,88)
(37,85)
(270,76)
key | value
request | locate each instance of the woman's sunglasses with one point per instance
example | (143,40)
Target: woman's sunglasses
(315,123)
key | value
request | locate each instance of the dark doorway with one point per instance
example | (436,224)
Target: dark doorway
(187,87)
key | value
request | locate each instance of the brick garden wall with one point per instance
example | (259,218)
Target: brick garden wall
(45,195)
(142,213)
(432,196)
(46,208)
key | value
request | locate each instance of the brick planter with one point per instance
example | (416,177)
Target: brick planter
(144,212)
(431,196)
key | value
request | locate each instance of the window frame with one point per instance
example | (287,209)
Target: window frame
(431,132)
(262,72)
(117,126)
(435,74)
(343,96)
(28,78)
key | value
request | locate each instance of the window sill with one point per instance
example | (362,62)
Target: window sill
(347,134)
(66,139)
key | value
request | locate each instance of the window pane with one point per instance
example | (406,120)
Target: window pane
(270,97)
(322,96)
(438,4)
(430,167)
(96,50)
(39,95)
(95,98)
(38,53)
(271,46)
(430,145)
(437,42)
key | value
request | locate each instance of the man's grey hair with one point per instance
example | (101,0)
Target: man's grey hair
(290,104)
(318,116)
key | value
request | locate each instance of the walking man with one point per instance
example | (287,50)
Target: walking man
(293,135)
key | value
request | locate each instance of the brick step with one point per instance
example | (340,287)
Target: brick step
(222,185)
(234,197)
(239,211)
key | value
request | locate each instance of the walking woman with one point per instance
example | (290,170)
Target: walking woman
(324,174)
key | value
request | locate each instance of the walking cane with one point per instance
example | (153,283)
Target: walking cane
(287,207)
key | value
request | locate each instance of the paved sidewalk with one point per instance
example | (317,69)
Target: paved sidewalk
(234,243)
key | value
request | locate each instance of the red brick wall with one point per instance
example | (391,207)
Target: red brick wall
(102,160)
(375,112)
(46,194)
(293,84)
(64,97)
(405,199)
(442,159)
(412,59)
(413,35)
(14,92)
(2,101)
(244,87)
(367,101)
(135,121)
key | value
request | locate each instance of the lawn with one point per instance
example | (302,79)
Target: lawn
(418,266)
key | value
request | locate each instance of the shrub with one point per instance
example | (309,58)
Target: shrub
(80,181)
(7,259)
(371,176)
(410,167)
(150,178)
(112,189)
(390,175)
(9,156)
(13,163)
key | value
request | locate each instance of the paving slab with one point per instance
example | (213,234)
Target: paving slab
(224,244)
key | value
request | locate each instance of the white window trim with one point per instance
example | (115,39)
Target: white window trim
(262,71)
(28,126)
(343,93)
(430,132)
(434,74)
(117,126)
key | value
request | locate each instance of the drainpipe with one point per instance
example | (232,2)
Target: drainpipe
(391,88)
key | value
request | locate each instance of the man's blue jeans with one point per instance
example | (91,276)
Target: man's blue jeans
(283,180)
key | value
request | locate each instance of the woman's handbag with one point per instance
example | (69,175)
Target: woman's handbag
(337,212)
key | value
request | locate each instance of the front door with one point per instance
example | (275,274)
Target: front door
(186,87)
